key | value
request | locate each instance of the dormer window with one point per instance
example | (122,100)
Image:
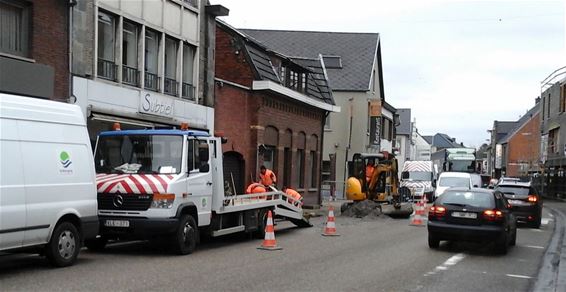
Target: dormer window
(332,62)
(293,79)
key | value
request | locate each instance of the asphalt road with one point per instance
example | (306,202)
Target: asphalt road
(382,254)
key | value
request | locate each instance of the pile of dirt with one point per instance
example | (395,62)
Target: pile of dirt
(362,209)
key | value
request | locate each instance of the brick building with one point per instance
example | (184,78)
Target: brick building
(34,54)
(521,146)
(272,110)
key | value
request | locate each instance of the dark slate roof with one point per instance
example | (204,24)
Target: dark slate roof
(405,126)
(260,57)
(428,139)
(389,107)
(520,123)
(441,141)
(502,128)
(356,50)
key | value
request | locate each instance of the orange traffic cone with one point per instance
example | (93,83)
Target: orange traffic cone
(419,217)
(269,242)
(330,229)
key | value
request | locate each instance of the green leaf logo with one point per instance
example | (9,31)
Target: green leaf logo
(65,159)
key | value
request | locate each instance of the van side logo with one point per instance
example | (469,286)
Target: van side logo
(65,159)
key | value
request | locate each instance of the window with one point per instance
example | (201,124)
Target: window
(327,122)
(312,167)
(387,129)
(151,53)
(548,107)
(332,62)
(130,72)
(563,98)
(553,141)
(14,28)
(198,154)
(171,66)
(106,45)
(325,170)
(299,167)
(188,90)
(269,157)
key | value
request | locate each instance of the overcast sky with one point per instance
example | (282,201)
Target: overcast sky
(458,65)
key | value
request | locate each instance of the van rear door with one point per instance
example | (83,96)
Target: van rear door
(12,187)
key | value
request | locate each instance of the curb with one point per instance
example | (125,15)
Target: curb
(552,272)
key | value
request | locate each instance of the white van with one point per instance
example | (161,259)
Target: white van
(448,180)
(47,179)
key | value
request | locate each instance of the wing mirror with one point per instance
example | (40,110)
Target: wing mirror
(204,168)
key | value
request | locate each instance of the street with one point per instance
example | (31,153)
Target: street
(380,254)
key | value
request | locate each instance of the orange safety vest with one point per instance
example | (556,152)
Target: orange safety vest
(369,172)
(255,188)
(268,178)
(293,194)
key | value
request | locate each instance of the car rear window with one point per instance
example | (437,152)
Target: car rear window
(522,191)
(454,182)
(468,198)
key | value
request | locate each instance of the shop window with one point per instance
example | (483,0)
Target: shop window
(151,60)
(130,39)
(106,46)
(188,88)
(171,66)
(14,28)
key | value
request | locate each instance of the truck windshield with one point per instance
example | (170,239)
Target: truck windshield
(417,175)
(461,166)
(156,154)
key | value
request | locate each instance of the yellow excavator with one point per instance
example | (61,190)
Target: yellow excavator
(373,176)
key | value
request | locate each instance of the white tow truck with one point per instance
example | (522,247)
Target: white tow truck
(169,184)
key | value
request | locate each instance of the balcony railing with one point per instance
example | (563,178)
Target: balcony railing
(107,69)
(171,86)
(151,81)
(188,91)
(130,76)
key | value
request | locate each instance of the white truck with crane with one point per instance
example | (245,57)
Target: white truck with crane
(169,184)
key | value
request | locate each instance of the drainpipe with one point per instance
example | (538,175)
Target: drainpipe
(72,98)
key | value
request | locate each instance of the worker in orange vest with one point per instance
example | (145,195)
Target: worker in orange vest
(267,177)
(292,194)
(369,170)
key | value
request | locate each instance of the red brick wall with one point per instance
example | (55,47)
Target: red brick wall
(49,41)
(524,147)
(231,63)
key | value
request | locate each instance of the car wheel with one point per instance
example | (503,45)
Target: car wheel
(433,241)
(185,238)
(513,241)
(64,246)
(501,244)
(536,223)
(96,244)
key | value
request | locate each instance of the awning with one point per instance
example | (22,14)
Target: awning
(553,125)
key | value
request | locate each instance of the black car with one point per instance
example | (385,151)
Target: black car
(478,215)
(525,201)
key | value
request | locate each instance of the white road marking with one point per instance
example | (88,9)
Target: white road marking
(534,246)
(551,215)
(447,264)
(535,230)
(518,276)
(545,221)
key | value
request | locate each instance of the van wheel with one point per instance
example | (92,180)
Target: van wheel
(185,239)
(64,246)
(96,244)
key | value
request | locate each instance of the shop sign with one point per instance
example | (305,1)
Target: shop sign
(156,105)
(375,123)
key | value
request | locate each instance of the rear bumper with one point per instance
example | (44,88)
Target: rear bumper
(446,231)
(139,228)
(90,227)
(522,213)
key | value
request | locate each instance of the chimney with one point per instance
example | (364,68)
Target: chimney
(537,100)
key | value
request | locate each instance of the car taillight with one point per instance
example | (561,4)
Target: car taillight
(533,198)
(493,215)
(437,211)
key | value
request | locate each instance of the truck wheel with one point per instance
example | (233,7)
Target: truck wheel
(262,217)
(96,244)
(185,238)
(64,246)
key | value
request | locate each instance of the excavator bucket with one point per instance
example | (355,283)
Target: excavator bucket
(403,211)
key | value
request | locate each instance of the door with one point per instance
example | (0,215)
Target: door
(199,182)
(12,187)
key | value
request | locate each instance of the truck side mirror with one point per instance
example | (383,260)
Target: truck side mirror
(204,168)
(433,183)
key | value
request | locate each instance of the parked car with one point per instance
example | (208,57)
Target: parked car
(478,215)
(448,180)
(525,201)
(48,202)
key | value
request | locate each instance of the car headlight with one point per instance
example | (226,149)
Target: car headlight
(162,201)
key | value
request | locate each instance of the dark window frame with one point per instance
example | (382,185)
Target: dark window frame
(25,40)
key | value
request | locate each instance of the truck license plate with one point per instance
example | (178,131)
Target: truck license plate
(117,223)
(465,215)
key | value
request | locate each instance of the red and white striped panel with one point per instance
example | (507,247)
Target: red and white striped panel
(133,183)
(417,166)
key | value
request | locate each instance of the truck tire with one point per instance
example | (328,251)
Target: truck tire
(96,244)
(63,248)
(185,238)
(262,222)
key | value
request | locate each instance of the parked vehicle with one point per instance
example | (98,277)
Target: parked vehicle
(169,184)
(419,175)
(47,181)
(476,180)
(525,201)
(478,215)
(448,180)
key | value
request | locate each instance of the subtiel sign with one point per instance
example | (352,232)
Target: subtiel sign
(374,123)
